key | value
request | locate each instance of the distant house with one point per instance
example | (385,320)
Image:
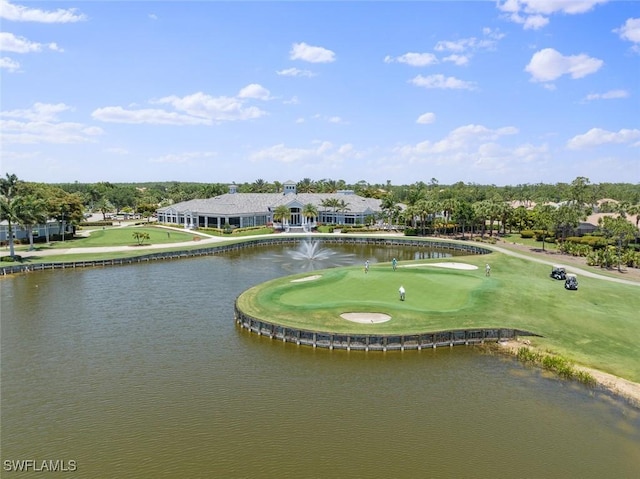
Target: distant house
(591,224)
(52,227)
(256,209)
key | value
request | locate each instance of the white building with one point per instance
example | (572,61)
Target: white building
(51,228)
(256,209)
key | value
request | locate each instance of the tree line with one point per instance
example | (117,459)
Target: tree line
(426,207)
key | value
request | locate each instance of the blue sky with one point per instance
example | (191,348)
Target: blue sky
(505,93)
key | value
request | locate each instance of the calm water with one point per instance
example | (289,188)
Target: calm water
(140,371)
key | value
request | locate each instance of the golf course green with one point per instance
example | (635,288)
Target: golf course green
(597,326)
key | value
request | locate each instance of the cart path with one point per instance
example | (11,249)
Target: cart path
(569,268)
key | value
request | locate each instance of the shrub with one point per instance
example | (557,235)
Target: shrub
(526,234)
(11,259)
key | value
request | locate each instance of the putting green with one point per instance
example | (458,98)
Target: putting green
(317,301)
(595,326)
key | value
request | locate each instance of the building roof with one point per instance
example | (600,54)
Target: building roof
(256,203)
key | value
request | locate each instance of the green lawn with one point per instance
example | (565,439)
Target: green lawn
(596,326)
(531,242)
(119,236)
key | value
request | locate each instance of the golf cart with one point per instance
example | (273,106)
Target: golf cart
(558,272)
(571,282)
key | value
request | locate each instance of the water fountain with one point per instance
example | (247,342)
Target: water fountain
(310,255)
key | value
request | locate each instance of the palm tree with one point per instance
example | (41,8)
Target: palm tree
(331,203)
(306,186)
(310,212)
(463,214)
(30,211)
(389,206)
(259,186)
(281,214)
(342,207)
(421,209)
(8,208)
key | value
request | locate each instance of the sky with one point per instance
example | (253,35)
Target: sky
(505,93)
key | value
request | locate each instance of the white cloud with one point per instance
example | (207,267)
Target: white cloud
(11,43)
(533,14)
(426,118)
(321,153)
(117,114)
(308,53)
(153,16)
(117,151)
(282,154)
(463,138)
(598,136)
(610,95)
(40,124)
(414,59)
(212,108)
(183,158)
(471,44)
(9,64)
(630,31)
(18,13)
(548,65)
(440,81)
(295,72)
(255,91)
(459,60)
(39,112)
(195,109)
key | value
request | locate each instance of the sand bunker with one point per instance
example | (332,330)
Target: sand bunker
(307,278)
(367,318)
(442,265)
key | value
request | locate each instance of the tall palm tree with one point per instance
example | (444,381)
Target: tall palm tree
(282,214)
(30,211)
(331,203)
(342,207)
(388,205)
(310,212)
(306,186)
(8,208)
(259,186)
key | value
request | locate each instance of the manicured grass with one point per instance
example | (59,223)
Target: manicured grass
(596,326)
(530,242)
(124,237)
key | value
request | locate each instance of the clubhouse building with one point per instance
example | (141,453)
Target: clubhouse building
(256,209)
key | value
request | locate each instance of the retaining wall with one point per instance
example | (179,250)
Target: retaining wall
(375,342)
(249,243)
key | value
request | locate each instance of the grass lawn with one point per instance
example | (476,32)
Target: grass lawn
(530,242)
(597,326)
(118,236)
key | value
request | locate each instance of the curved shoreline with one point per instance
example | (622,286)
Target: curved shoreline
(242,244)
(619,387)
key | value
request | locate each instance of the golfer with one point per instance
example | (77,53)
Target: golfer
(487,270)
(394,263)
(402,292)
(366,266)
